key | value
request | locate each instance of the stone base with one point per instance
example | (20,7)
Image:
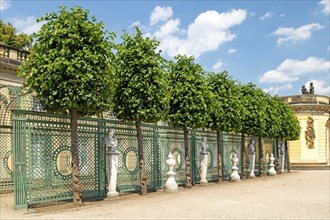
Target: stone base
(234,177)
(170,187)
(203,182)
(173,189)
(112,194)
(272,172)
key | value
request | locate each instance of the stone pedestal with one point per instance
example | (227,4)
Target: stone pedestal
(203,167)
(170,185)
(271,171)
(234,176)
(252,158)
(112,160)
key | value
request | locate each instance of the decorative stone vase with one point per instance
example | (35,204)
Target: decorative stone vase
(234,176)
(170,185)
(271,171)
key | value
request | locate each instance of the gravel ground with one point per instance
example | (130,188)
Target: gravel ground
(295,195)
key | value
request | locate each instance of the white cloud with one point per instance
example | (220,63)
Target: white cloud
(321,87)
(170,27)
(232,50)
(26,25)
(276,76)
(275,90)
(293,35)
(326,6)
(282,15)
(289,70)
(217,65)
(209,30)
(135,23)
(4,4)
(268,15)
(160,14)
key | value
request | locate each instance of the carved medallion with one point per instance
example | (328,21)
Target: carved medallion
(310,133)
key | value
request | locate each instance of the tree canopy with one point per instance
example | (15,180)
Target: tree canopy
(141,88)
(9,36)
(190,101)
(70,64)
(227,108)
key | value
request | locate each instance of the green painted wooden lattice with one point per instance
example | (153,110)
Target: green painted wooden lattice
(231,143)
(11,97)
(43,160)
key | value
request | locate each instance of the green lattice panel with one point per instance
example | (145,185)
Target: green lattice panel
(230,144)
(171,140)
(267,149)
(128,178)
(7,160)
(47,159)
(212,169)
(246,146)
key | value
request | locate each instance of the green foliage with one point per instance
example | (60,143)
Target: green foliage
(141,91)
(254,111)
(70,64)
(226,112)
(290,126)
(273,117)
(9,36)
(267,116)
(190,102)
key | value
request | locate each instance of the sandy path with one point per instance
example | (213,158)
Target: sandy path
(298,195)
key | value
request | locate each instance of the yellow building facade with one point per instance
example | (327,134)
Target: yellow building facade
(312,149)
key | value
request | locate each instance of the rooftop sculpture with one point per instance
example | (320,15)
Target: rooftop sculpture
(305,91)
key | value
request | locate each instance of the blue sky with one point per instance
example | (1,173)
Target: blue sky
(278,45)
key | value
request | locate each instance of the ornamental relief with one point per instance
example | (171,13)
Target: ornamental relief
(310,133)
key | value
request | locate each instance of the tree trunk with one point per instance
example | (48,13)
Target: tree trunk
(287,156)
(244,171)
(143,177)
(277,164)
(76,188)
(219,157)
(186,153)
(261,158)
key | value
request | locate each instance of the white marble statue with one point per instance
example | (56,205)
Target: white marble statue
(252,158)
(110,142)
(234,176)
(203,160)
(282,157)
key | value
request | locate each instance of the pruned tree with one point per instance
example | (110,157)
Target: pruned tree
(69,69)
(226,112)
(190,101)
(141,91)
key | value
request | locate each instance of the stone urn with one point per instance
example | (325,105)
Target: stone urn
(271,171)
(171,185)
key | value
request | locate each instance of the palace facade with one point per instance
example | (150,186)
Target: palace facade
(312,111)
